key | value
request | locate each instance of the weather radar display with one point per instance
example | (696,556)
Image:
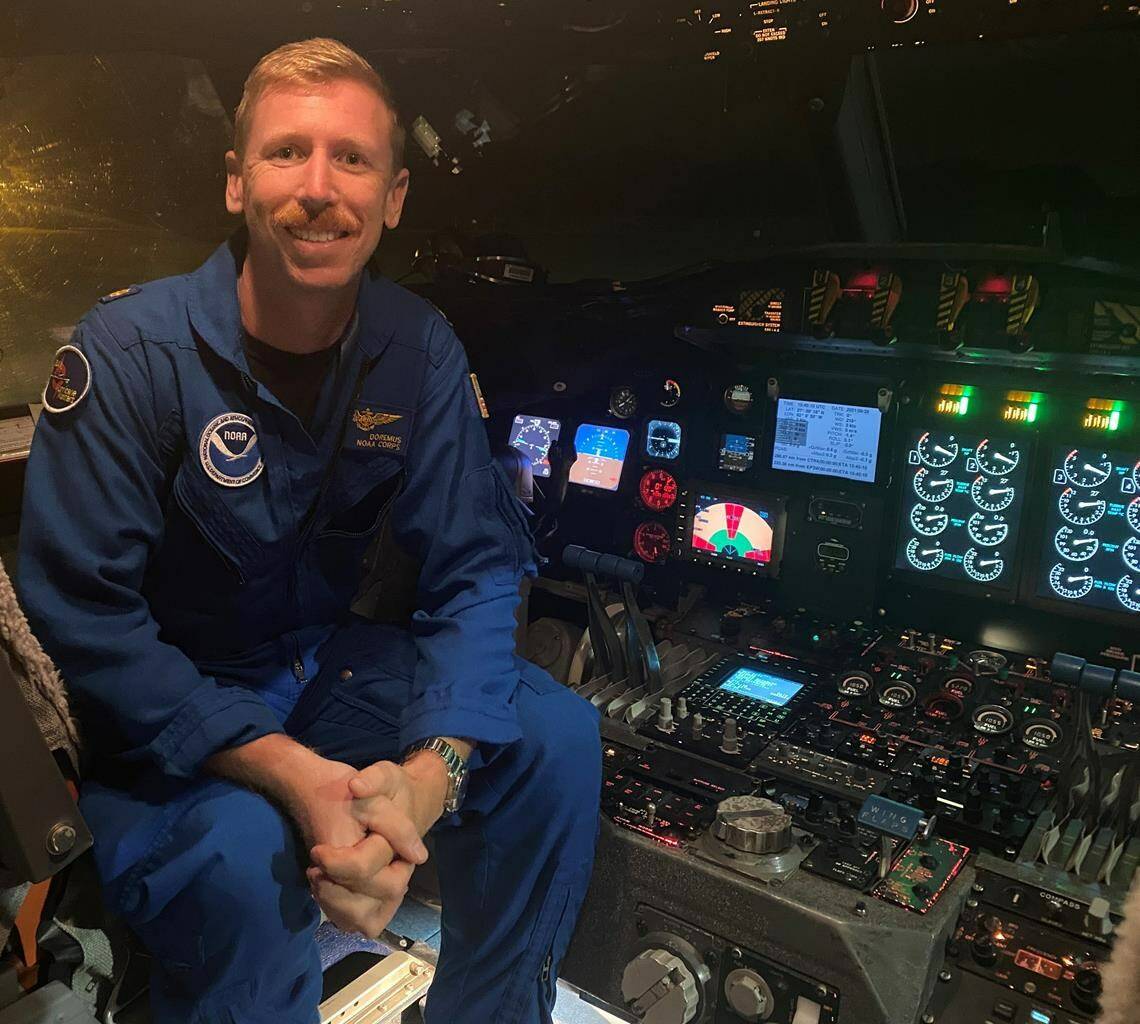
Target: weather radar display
(533,436)
(731,530)
(601,456)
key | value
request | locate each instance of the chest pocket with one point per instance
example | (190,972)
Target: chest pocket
(360,498)
(199,511)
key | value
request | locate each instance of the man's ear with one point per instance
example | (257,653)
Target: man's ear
(394,201)
(235,196)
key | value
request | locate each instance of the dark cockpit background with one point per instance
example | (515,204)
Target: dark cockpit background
(606,141)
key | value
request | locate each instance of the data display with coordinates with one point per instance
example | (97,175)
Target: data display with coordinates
(827,439)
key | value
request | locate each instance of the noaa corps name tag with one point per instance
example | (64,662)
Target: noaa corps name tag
(379,428)
(228,450)
(69,382)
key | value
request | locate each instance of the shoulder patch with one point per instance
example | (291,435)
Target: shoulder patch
(69,382)
(479,400)
(120,294)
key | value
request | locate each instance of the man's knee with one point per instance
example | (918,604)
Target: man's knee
(256,864)
(562,745)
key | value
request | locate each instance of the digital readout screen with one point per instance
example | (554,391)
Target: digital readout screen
(1090,553)
(533,436)
(826,439)
(601,456)
(761,686)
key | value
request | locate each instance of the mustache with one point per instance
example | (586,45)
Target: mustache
(293,215)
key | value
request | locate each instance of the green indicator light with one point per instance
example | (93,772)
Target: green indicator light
(963,405)
(1032,417)
(1114,420)
(815,638)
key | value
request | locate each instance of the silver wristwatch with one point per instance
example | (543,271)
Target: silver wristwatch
(456,770)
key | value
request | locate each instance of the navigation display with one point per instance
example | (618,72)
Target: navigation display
(761,686)
(962,496)
(736,453)
(1090,553)
(533,436)
(826,439)
(663,439)
(726,529)
(601,456)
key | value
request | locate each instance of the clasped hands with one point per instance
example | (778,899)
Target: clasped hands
(364,834)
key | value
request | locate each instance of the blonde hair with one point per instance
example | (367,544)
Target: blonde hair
(314,62)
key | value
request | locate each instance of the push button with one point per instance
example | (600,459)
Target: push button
(1004,1010)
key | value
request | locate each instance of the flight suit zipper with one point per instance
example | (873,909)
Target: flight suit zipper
(298,662)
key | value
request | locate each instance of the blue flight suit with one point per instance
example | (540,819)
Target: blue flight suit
(189,553)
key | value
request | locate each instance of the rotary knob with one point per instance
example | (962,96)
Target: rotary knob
(659,988)
(749,995)
(753,824)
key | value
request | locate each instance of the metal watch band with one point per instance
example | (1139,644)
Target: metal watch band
(456,769)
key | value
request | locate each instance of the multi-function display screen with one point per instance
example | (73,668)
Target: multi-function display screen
(761,686)
(736,453)
(1091,549)
(825,439)
(601,456)
(962,496)
(533,436)
(730,530)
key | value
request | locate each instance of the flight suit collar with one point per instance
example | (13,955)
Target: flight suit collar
(216,315)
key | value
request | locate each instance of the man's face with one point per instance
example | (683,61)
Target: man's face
(316,183)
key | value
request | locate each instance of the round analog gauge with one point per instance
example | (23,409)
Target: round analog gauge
(924,555)
(1087,468)
(1133,514)
(992,720)
(1069,583)
(1128,592)
(986,663)
(1136,475)
(1078,509)
(651,542)
(933,485)
(738,398)
(960,686)
(987,528)
(663,439)
(854,684)
(623,402)
(1076,545)
(937,450)
(658,490)
(983,566)
(930,522)
(997,458)
(943,707)
(992,495)
(1041,734)
(900,11)
(670,393)
(897,694)
(1130,552)
(533,439)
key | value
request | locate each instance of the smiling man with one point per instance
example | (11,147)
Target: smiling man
(217,453)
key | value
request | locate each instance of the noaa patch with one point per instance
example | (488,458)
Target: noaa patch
(69,382)
(379,428)
(228,450)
